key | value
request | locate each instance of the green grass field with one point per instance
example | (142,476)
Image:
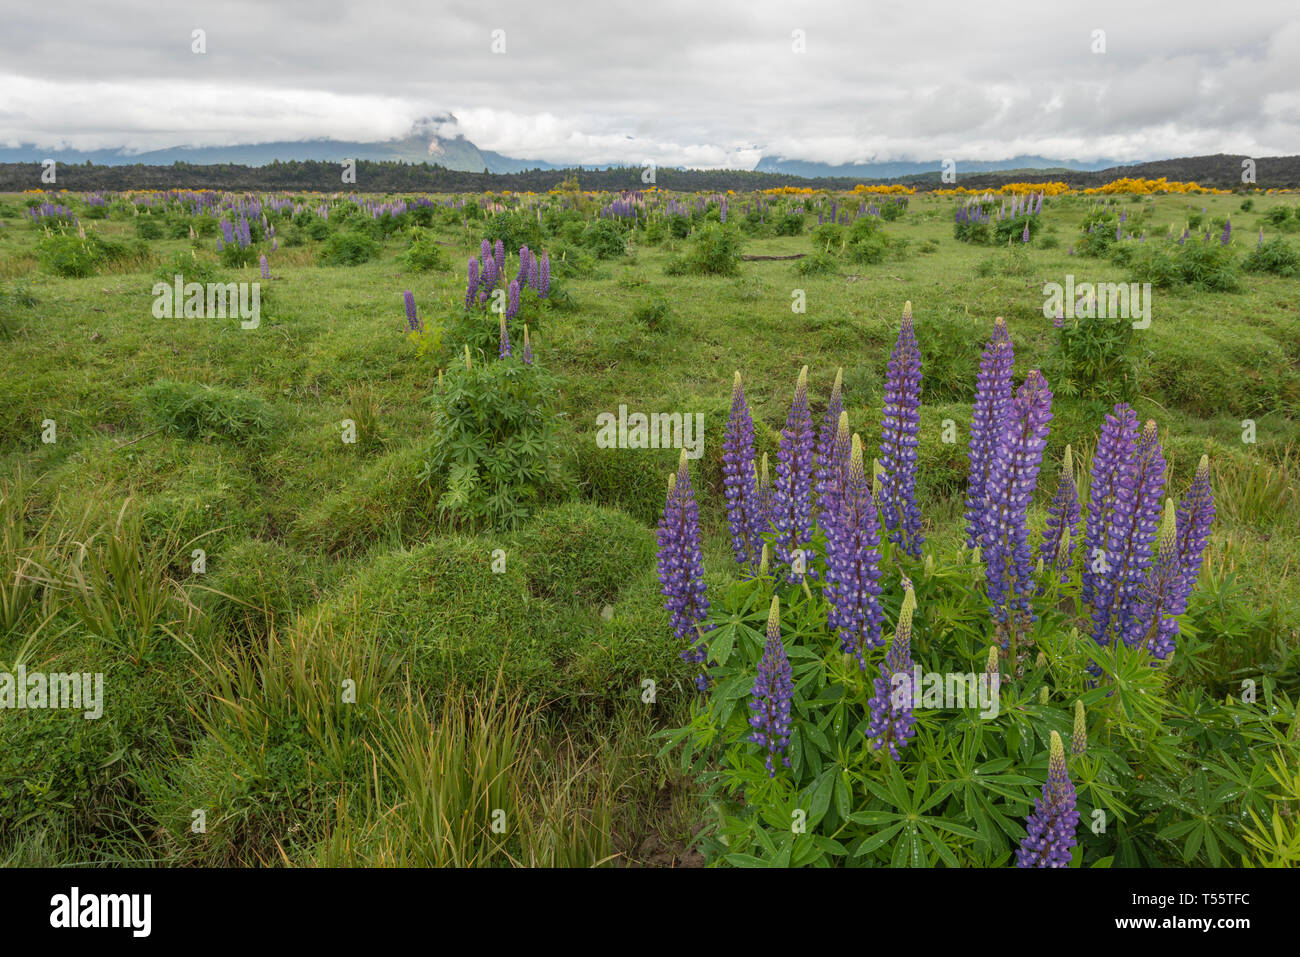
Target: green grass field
(357,676)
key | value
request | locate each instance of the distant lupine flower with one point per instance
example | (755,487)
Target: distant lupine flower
(992,399)
(681,563)
(900,421)
(1195,515)
(738,482)
(471,286)
(504,350)
(1024,237)
(265,266)
(891,707)
(1260,241)
(1013,474)
(1136,517)
(499,255)
(1052,824)
(1070,251)
(1115,449)
(792,495)
(412,320)
(544,276)
(1227,233)
(525,266)
(485,251)
(1062,531)
(1079,739)
(772,693)
(527,354)
(826,439)
(853,561)
(489,277)
(512,300)
(1164,594)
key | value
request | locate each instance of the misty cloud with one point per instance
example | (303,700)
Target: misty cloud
(675,82)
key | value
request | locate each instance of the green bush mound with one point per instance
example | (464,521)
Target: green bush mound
(453,610)
(348,249)
(582,553)
(196,411)
(383,498)
(441,608)
(71,776)
(256,585)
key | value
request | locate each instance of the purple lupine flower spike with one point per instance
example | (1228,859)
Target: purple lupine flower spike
(738,482)
(1164,594)
(853,561)
(836,478)
(544,279)
(527,354)
(826,438)
(499,254)
(1111,460)
(900,421)
(412,320)
(992,399)
(1062,531)
(792,494)
(892,722)
(512,299)
(1195,515)
(1136,517)
(772,693)
(1052,823)
(504,351)
(681,563)
(1013,475)
(471,286)
(265,266)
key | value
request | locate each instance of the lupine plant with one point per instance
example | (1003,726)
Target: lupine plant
(906,705)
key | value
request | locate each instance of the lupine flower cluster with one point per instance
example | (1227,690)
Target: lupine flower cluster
(1052,824)
(900,420)
(739,482)
(853,560)
(992,400)
(486,272)
(238,233)
(792,495)
(772,693)
(1130,500)
(56,211)
(681,563)
(1012,477)
(892,722)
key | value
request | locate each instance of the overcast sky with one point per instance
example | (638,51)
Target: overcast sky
(699,83)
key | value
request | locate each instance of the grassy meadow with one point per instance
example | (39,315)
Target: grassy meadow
(359,671)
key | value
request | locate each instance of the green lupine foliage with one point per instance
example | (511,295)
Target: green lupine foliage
(1169,777)
(493,452)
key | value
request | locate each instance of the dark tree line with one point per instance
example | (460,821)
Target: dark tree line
(1222,171)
